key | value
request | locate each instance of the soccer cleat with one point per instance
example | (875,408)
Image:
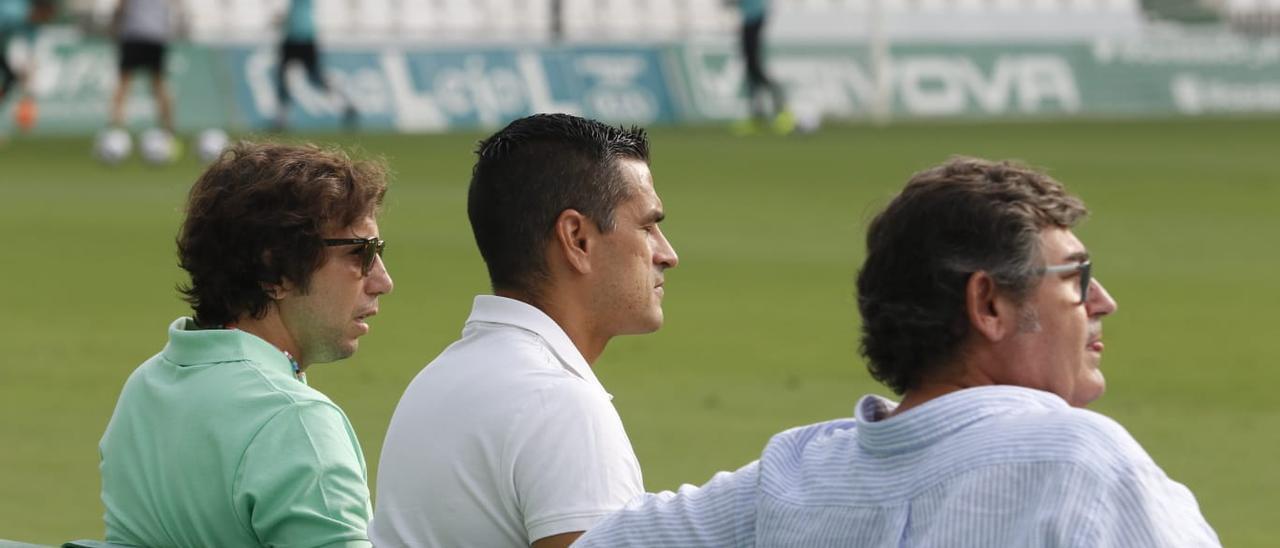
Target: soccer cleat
(784,123)
(177,149)
(350,118)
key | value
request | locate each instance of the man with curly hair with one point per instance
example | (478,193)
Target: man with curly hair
(980,309)
(218,440)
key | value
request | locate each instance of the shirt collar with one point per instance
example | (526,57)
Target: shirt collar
(941,416)
(502,310)
(190,345)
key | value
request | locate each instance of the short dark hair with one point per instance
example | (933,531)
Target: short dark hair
(531,171)
(257,215)
(965,216)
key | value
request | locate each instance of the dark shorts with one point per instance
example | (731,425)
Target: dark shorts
(302,52)
(7,77)
(141,55)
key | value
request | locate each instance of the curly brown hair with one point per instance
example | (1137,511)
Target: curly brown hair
(964,216)
(256,217)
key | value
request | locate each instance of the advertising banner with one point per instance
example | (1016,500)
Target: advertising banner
(1141,76)
(392,88)
(74,80)
(424,88)
(440,89)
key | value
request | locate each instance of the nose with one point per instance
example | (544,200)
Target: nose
(1100,302)
(378,282)
(665,255)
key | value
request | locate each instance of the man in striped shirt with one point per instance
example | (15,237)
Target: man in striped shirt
(979,309)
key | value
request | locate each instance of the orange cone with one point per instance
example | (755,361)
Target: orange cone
(25,113)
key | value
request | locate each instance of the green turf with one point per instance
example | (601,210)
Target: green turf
(761,327)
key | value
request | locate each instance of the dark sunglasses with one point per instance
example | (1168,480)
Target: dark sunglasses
(369,248)
(1086,275)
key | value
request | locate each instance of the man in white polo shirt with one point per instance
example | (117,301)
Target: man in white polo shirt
(508,438)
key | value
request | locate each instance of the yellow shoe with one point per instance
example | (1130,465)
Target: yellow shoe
(178,149)
(784,123)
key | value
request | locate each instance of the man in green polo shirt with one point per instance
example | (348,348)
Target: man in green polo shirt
(218,440)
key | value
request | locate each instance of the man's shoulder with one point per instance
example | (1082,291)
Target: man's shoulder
(1066,435)
(493,345)
(789,448)
(493,358)
(499,376)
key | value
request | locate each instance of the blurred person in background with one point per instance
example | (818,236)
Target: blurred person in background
(143,30)
(979,308)
(508,438)
(18,20)
(765,98)
(298,45)
(218,440)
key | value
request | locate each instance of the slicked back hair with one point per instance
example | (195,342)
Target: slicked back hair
(531,171)
(257,216)
(964,216)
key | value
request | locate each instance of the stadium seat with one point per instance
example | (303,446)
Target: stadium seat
(517,19)
(620,19)
(204,17)
(1084,6)
(664,18)
(536,15)
(710,16)
(578,18)
(459,18)
(374,17)
(933,7)
(417,18)
(334,17)
(249,17)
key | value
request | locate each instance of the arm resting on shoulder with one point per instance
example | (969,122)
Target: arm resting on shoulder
(722,512)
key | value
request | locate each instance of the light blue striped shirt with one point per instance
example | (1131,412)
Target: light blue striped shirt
(981,467)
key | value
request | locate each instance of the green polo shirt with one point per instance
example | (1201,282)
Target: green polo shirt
(214,442)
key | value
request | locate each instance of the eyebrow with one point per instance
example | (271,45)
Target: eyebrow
(1078,257)
(655,216)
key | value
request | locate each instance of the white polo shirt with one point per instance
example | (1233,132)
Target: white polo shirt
(506,438)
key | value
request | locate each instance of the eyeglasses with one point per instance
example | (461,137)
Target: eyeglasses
(369,248)
(1086,276)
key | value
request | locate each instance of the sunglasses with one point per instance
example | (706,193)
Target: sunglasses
(369,249)
(1086,275)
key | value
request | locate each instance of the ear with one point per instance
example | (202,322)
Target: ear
(278,291)
(572,239)
(990,313)
(274,291)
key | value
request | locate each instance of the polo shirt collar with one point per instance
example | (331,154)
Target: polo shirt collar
(502,310)
(190,345)
(939,417)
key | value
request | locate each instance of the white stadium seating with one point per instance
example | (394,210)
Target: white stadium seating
(668,20)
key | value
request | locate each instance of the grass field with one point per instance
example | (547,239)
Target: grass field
(761,324)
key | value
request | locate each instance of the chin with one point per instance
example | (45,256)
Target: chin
(655,322)
(646,325)
(340,352)
(1091,392)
